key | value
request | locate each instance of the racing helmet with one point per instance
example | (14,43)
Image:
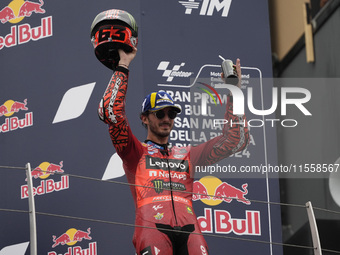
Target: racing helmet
(112,30)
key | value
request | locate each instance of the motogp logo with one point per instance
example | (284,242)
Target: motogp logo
(170,74)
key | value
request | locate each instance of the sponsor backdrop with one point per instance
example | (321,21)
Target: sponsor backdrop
(51,84)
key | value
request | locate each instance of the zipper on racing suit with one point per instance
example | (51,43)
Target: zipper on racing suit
(166,152)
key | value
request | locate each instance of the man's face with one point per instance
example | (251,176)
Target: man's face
(160,127)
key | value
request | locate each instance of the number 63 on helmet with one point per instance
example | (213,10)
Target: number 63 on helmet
(112,30)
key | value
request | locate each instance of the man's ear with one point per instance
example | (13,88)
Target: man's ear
(144,119)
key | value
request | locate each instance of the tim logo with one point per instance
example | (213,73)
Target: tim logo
(207,7)
(170,74)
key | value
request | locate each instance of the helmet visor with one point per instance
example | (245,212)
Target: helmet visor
(116,34)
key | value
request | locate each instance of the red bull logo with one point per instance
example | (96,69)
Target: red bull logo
(70,238)
(15,12)
(11,107)
(225,224)
(212,191)
(43,171)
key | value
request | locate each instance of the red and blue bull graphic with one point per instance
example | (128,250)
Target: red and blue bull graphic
(11,107)
(15,12)
(18,9)
(70,238)
(46,186)
(212,191)
(50,170)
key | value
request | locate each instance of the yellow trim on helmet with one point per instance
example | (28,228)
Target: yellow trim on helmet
(153,99)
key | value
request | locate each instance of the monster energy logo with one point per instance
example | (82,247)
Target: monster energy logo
(160,185)
(133,22)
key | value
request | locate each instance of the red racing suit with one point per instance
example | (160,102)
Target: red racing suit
(163,199)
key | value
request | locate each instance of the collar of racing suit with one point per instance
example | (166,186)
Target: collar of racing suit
(165,146)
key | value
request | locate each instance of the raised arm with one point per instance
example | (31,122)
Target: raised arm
(112,107)
(234,138)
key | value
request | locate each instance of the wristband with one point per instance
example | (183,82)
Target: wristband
(123,65)
(122,69)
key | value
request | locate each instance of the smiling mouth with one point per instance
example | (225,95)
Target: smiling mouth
(164,125)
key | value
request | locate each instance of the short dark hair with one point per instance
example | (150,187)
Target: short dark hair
(144,114)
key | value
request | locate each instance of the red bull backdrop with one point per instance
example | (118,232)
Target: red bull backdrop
(51,84)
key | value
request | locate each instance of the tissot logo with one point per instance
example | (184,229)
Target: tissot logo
(169,164)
